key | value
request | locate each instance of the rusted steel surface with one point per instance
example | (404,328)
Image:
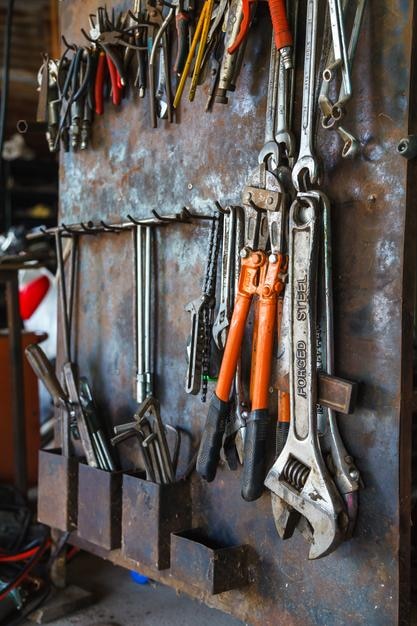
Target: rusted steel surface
(151,513)
(101,523)
(207,565)
(58,488)
(134,169)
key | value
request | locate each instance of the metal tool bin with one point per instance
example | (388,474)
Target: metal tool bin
(58,490)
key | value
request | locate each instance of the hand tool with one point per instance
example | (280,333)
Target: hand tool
(306,164)
(339,462)
(183,22)
(332,113)
(47,111)
(299,477)
(150,431)
(200,40)
(70,91)
(282,33)
(231,62)
(79,414)
(224,311)
(202,316)
(261,276)
(160,47)
(144,376)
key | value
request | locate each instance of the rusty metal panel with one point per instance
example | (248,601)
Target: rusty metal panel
(133,169)
(58,488)
(101,522)
(151,513)
(203,563)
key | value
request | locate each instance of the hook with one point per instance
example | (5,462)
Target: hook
(89,228)
(164,218)
(220,209)
(69,46)
(110,227)
(88,36)
(68,230)
(136,222)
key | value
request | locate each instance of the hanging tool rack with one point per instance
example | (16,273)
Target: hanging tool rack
(200,538)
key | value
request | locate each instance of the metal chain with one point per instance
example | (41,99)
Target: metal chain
(209,295)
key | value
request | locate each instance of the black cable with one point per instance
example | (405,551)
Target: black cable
(4,100)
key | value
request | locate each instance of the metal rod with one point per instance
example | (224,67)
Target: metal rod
(17,381)
(147,306)
(63,299)
(139,317)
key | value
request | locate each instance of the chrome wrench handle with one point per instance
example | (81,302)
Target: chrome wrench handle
(306,159)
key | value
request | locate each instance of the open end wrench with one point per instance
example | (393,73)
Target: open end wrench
(299,476)
(341,464)
(306,159)
(222,320)
(270,150)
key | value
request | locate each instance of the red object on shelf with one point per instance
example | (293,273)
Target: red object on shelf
(31,295)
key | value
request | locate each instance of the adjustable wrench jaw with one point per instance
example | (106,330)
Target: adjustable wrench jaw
(318,500)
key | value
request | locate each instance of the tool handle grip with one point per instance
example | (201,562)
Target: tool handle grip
(116,91)
(45,372)
(283,426)
(211,442)
(182,22)
(254,463)
(244,27)
(281,28)
(99,84)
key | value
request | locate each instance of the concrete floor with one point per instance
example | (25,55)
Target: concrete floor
(121,602)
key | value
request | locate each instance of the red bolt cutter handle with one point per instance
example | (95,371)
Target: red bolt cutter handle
(99,84)
(116,89)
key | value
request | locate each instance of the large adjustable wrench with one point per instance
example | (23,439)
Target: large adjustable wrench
(299,476)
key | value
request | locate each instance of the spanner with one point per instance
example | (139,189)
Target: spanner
(331,114)
(306,160)
(339,461)
(224,312)
(270,150)
(299,476)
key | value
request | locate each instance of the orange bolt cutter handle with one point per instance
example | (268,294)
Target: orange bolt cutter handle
(258,422)
(211,442)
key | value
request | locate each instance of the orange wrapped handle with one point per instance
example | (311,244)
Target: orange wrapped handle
(282,32)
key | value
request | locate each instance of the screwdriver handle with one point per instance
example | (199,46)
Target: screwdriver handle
(43,369)
(212,439)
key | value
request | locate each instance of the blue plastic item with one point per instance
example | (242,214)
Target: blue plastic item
(139,578)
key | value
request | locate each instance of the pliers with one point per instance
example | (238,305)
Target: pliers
(262,279)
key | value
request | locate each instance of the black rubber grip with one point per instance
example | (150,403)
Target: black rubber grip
(182,22)
(211,441)
(282,434)
(254,463)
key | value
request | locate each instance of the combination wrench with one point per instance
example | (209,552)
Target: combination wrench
(306,161)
